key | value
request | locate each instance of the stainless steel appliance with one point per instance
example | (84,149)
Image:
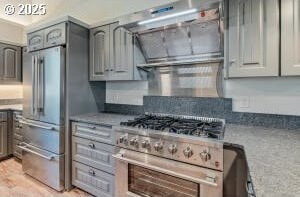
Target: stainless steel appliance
(55,76)
(162,155)
(182,43)
(43,124)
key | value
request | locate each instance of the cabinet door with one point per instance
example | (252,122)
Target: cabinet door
(3,139)
(10,62)
(35,40)
(253,45)
(290,37)
(99,53)
(55,35)
(121,53)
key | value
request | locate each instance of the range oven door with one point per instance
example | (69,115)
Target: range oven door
(142,175)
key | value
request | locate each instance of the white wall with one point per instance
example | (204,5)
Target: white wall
(11,32)
(11,92)
(279,95)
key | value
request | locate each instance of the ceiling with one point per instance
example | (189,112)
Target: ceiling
(89,11)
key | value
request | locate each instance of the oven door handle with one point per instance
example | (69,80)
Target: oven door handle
(210,182)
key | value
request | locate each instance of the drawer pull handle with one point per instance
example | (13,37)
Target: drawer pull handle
(92,172)
(91,127)
(92,146)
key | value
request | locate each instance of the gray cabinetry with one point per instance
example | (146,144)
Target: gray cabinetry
(35,40)
(253,38)
(95,154)
(10,62)
(55,35)
(3,135)
(113,54)
(96,182)
(93,166)
(99,53)
(290,37)
(51,36)
(17,134)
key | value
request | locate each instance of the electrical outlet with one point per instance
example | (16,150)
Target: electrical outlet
(244,102)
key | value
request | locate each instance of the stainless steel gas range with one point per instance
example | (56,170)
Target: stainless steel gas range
(161,155)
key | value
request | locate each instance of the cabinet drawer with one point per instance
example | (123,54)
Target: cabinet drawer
(17,152)
(99,133)
(35,41)
(95,154)
(3,116)
(55,35)
(92,180)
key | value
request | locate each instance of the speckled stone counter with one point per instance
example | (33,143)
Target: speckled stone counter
(273,157)
(102,118)
(14,107)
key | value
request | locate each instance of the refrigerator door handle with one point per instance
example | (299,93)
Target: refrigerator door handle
(36,85)
(24,147)
(38,126)
(33,61)
(41,85)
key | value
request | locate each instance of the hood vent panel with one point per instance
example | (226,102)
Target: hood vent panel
(190,40)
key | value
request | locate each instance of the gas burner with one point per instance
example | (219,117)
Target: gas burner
(185,125)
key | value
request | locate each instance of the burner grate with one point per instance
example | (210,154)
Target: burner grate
(186,125)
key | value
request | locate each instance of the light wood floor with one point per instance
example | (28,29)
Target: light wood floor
(14,183)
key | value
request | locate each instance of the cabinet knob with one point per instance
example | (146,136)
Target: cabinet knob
(92,172)
(92,146)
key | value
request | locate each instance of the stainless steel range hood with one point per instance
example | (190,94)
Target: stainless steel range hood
(182,43)
(180,33)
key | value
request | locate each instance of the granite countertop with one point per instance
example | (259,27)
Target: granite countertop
(102,118)
(15,107)
(273,157)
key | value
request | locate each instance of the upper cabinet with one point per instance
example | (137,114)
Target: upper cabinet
(49,37)
(253,38)
(99,53)
(10,63)
(55,35)
(113,54)
(290,37)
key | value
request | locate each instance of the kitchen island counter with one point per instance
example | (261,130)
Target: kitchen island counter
(273,158)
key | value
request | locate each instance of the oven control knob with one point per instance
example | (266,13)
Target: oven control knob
(123,139)
(205,155)
(172,149)
(134,142)
(146,144)
(158,146)
(188,152)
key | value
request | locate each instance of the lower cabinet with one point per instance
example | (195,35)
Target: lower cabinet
(93,166)
(17,134)
(3,140)
(17,152)
(92,180)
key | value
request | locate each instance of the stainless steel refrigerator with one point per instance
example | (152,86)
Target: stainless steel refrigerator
(44,115)
(55,76)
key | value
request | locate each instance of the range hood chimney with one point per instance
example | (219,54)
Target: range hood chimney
(182,44)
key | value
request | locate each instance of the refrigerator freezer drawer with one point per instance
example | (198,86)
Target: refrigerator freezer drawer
(43,166)
(44,136)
